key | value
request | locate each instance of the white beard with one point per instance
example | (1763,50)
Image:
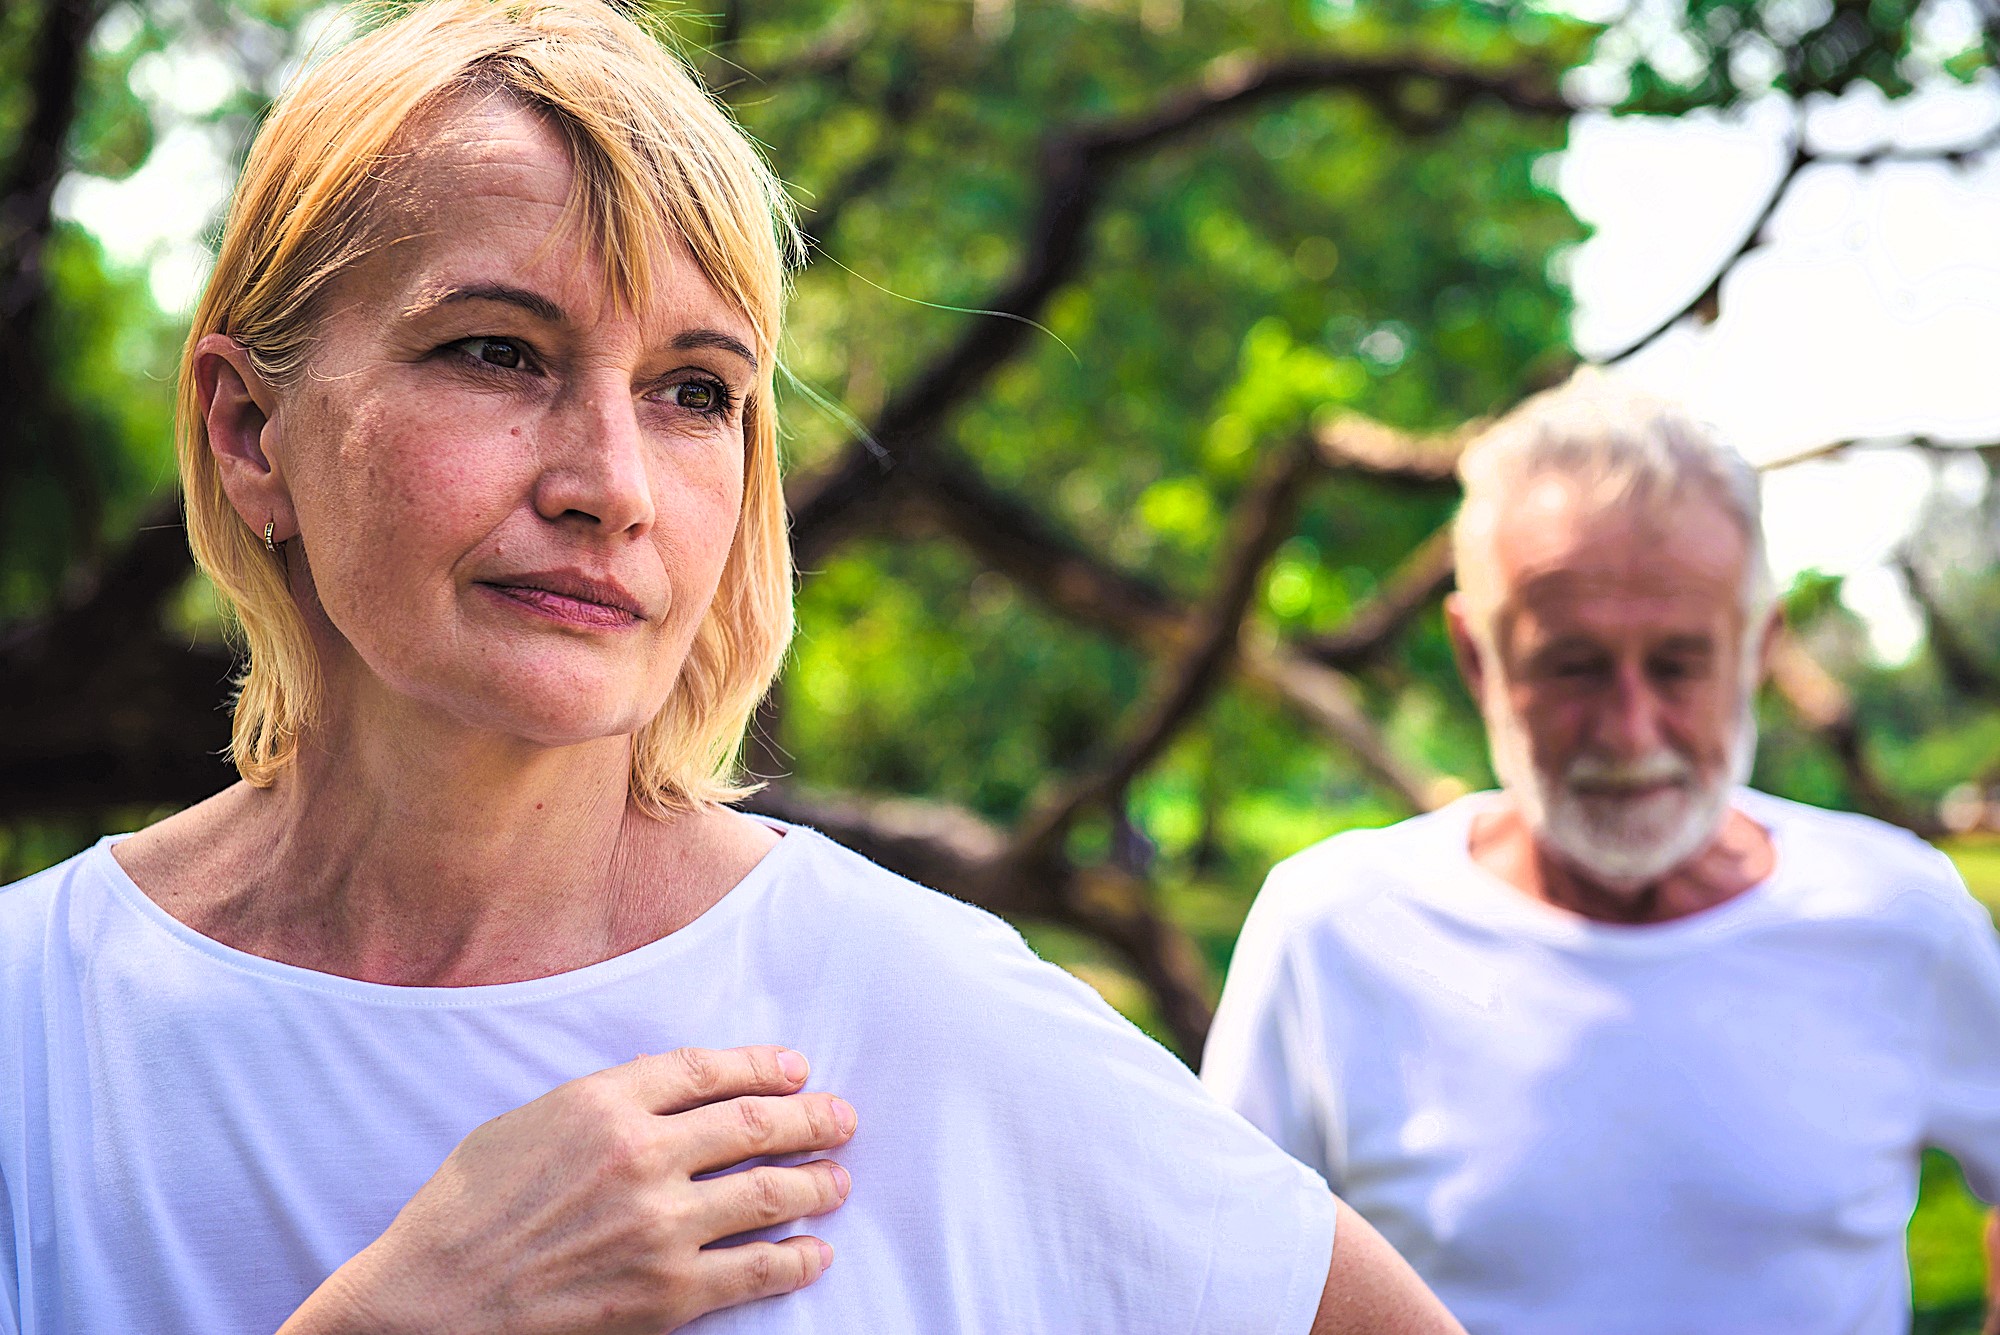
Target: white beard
(1625,842)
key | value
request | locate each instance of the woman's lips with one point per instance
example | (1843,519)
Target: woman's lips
(563,607)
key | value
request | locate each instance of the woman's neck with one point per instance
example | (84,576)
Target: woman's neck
(442,857)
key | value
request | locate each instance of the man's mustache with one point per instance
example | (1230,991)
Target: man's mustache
(1597,775)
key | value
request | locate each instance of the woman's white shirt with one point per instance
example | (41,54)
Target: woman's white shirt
(192,1137)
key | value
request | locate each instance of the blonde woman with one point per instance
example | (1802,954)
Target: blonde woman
(476,441)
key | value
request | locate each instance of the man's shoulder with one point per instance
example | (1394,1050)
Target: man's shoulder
(1376,865)
(1842,862)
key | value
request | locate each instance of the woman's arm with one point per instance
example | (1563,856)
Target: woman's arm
(1370,1290)
(579,1213)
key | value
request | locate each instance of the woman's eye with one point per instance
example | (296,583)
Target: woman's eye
(503,353)
(700,396)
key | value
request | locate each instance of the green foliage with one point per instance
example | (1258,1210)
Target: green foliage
(112,353)
(1309,254)
(1730,49)
(1306,255)
(1947,1257)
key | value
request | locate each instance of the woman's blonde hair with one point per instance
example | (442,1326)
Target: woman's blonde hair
(654,160)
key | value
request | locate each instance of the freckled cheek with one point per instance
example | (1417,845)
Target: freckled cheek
(696,526)
(406,507)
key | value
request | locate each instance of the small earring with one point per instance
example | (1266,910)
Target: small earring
(270,527)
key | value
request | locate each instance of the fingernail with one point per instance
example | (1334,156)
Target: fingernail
(792,1065)
(842,1180)
(825,1255)
(843,1114)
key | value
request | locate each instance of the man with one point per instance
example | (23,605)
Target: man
(1623,1047)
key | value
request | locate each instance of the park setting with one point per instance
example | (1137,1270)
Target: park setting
(1130,354)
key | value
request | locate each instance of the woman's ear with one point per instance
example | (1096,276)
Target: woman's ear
(239,407)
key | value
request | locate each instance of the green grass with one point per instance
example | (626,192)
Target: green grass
(1947,1260)
(1978,859)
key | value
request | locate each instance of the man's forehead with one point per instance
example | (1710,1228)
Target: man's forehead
(1558,542)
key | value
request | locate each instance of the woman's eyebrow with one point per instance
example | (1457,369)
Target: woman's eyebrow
(715,338)
(549,312)
(534,303)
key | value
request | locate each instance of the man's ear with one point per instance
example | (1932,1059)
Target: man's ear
(1465,646)
(239,407)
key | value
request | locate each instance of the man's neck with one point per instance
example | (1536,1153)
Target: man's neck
(1738,856)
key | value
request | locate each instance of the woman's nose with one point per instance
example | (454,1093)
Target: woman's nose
(596,465)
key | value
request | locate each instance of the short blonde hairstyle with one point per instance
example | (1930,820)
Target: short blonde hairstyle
(1625,449)
(655,161)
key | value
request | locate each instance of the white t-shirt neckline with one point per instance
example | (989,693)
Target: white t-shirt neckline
(1459,885)
(717,918)
(201,1135)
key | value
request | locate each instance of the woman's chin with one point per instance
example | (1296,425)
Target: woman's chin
(547,709)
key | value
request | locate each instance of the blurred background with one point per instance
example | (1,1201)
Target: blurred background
(1126,376)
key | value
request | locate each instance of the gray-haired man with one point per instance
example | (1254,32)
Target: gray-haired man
(1624,1047)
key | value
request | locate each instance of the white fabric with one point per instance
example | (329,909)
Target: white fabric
(191,1137)
(1706,1126)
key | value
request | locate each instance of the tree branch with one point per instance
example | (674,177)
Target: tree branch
(1018,541)
(1825,707)
(1076,166)
(1234,84)
(1356,444)
(1014,538)
(1968,672)
(1424,575)
(27,190)
(43,425)
(1331,702)
(1183,686)
(1707,303)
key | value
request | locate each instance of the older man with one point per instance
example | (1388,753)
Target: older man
(1624,1047)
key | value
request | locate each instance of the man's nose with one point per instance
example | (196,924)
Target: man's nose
(596,465)
(1630,724)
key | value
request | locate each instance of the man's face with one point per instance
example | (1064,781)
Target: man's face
(1616,674)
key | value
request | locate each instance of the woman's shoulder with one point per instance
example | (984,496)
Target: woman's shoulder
(1079,1134)
(932,962)
(895,915)
(39,913)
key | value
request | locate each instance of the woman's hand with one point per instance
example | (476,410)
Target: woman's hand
(579,1212)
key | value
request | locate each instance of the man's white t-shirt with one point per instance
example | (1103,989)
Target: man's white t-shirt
(192,1138)
(1709,1126)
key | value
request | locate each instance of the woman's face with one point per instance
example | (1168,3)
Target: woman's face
(515,498)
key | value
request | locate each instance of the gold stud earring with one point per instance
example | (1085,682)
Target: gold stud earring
(270,527)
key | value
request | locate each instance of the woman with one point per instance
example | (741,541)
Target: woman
(477,443)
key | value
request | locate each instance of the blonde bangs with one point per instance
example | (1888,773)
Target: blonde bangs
(655,161)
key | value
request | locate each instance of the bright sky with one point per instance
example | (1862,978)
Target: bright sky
(1874,312)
